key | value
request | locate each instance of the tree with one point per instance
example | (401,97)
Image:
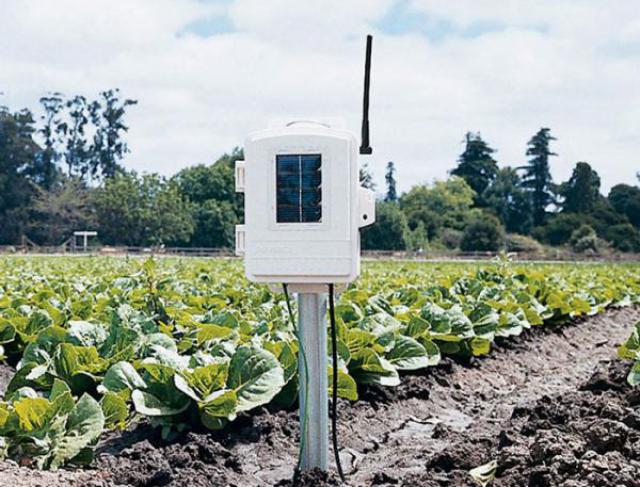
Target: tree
(51,131)
(603,216)
(390,180)
(476,165)
(167,216)
(558,228)
(389,232)
(583,239)
(447,204)
(537,176)
(56,214)
(118,206)
(78,154)
(147,210)
(216,181)
(214,224)
(624,237)
(510,203)
(108,147)
(18,155)
(215,206)
(625,199)
(366,177)
(582,191)
(482,234)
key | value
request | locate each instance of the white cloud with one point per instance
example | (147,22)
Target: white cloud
(565,64)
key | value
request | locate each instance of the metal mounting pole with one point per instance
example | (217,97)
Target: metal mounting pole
(312,310)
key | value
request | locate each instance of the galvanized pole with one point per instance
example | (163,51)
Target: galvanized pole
(314,394)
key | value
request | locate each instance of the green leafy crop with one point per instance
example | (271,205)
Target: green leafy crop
(99,343)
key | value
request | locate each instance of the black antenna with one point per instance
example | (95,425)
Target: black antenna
(365,148)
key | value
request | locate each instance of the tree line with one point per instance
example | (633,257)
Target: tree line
(61,170)
(482,206)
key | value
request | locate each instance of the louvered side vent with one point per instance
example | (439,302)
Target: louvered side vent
(299,188)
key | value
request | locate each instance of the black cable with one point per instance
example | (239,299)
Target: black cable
(285,288)
(303,414)
(334,413)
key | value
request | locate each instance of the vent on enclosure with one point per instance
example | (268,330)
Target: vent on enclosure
(299,188)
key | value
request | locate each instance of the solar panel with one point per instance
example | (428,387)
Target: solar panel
(299,188)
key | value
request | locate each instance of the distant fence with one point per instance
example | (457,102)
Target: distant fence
(551,255)
(67,249)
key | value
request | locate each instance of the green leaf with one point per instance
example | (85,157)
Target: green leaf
(347,387)
(46,343)
(169,358)
(408,354)
(149,344)
(631,348)
(634,375)
(356,340)
(480,346)
(202,381)
(286,355)
(115,410)
(83,427)
(161,397)
(436,317)
(223,318)
(484,474)
(72,359)
(256,376)
(349,312)
(485,321)
(512,324)
(86,334)
(58,389)
(122,376)
(5,414)
(37,321)
(60,398)
(417,326)
(379,324)
(218,409)
(212,332)
(32,413)
(368,367)
(150,405)
(7,331)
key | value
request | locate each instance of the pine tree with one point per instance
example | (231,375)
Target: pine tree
(476,165)
(509,201)
(390,179)
(537,176)
(582,191)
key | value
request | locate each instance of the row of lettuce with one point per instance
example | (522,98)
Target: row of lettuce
(99,343)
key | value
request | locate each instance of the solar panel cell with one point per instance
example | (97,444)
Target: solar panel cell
(299,188)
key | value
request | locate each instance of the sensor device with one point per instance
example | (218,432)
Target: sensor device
(304,205)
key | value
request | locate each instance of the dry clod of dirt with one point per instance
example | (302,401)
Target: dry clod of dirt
(569,439)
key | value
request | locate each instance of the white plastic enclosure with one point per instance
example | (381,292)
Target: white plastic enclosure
(304,205)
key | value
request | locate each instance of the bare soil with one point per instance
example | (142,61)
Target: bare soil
(552,407)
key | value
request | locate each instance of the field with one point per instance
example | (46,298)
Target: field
(180,372)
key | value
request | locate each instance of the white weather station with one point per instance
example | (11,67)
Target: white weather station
(304,207)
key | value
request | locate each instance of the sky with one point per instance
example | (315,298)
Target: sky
(208,72)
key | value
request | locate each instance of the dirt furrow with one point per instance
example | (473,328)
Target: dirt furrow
(478,399)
